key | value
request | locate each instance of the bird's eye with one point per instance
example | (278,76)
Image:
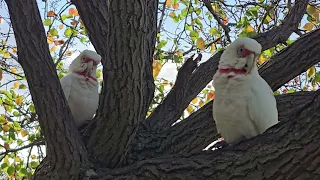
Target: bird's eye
(240,51)
(83,58)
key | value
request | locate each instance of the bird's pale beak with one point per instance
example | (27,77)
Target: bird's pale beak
(89,68)
(250,62)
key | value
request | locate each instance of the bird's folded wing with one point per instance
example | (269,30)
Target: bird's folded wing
(262,105)
(66,83)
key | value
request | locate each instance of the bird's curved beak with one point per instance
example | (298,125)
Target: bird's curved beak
(251,58)
(89,68)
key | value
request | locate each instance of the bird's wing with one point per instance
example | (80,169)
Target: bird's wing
(262,105)
(66,83)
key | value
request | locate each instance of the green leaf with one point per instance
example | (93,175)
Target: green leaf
(68,32)
(23,171)
(54,32)
(4,165)
(22,86)
(83,40)
(47,22)
(16,113)
(162,43)
(12,135)
(10,170)
(63,17)
(34,164)
(194,35)
(214,31)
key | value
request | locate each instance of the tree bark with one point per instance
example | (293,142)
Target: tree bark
(203,74)
(123,33)
(288,150)
(66,153)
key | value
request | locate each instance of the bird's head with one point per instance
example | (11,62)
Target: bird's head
(240,56)
(86,64)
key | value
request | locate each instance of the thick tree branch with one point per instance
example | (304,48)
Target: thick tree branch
(288,150)
(197,131)
(204,73)
(128,31)
(64,145)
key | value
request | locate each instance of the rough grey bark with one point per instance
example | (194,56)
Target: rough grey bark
(66,152)
(125,32)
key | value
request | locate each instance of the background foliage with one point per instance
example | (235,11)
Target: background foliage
(185,27)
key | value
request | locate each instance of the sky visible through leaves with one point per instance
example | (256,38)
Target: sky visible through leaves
(184,29)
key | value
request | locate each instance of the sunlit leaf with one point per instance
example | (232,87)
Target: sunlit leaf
(15,84)
(168,3)
(24,133)
(47,22)
(311,72)
(53,32)
(68,32)
(212,47)
(200,44)
(308,26)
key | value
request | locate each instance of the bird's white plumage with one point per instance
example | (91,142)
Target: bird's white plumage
(81,91)
(244,104)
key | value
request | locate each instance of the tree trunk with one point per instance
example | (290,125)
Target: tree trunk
(66,152)
(123,33)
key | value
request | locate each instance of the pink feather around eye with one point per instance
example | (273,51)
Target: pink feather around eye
(86,60)
(246,52)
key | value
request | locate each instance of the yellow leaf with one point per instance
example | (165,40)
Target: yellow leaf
(53,49)
(15,85)
(19,100)
(311,9)
(172,14)
(3,42)
(190,109)
(213,47)
(14,50)
(60,26)
(248,29)
(17,159)
(14,70)
(311,72)
(308,26)
(68,53)
(179,53)
(168,3)
(6,127)
(262,59)
(6,55)
(156,69)
(165,82)
(195,100)
(33,156)
(24,133)
(201,103)
(200,44)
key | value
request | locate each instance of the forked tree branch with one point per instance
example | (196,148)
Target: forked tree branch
(204,73)
(196,132)
(64,145)
(288,150)
(283,67)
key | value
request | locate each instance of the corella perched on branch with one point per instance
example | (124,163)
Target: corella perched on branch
(80,87)
(244,104)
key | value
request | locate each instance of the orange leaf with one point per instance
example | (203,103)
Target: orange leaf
(68,53)
(24,133)
(201,103)
(19,100)
(58,42)
(50,14)
(15,84)
(168,3)
(53,49)
(73,12)
(60,26)
(210,96)
(6,146)
(14,50)
(175,6)
(74,22)
(165,82)
(225,20)
(189,109)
